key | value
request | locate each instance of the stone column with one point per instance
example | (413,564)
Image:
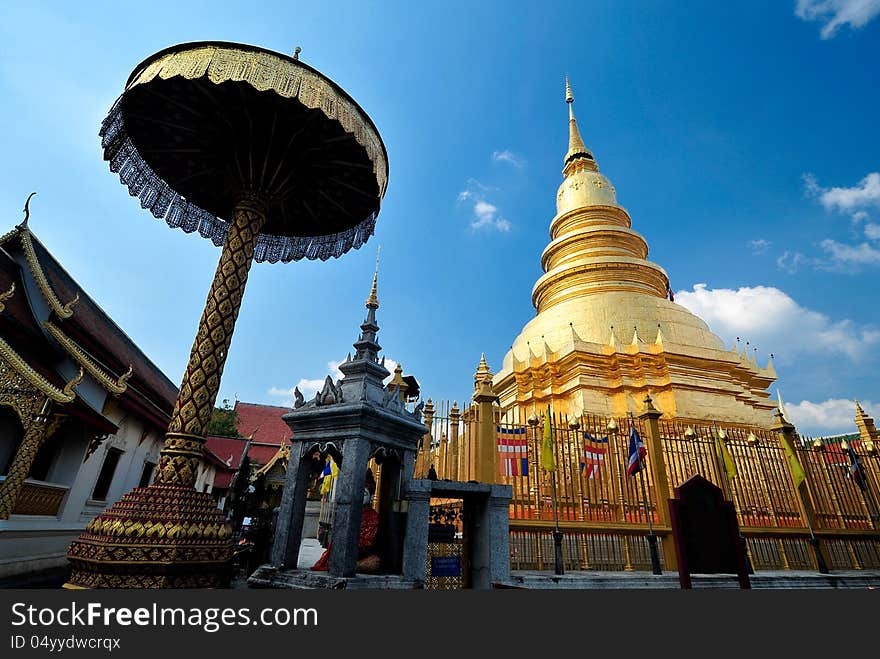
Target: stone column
(651,416)
(415,548)
(34,436)
(490,538)
(348,508)
(288,534)
(486,453)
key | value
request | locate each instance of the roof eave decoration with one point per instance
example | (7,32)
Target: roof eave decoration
(115,386)
(61,310)
(282,454)
(37,381)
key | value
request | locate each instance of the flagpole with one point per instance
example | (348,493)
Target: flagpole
(716,438)
(814,541)
(557,534)
(652,539)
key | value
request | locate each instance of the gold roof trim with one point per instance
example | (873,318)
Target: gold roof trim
(61,310)
(36,380)
(282,454)
(115,386)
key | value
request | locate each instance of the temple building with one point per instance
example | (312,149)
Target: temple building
(607,332)
(82,410)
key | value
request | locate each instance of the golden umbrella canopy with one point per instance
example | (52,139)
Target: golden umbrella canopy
(203,125)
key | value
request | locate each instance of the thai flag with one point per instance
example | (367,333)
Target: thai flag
(637,452)
(594,454)
(327,471)
(513,447)
(855,468)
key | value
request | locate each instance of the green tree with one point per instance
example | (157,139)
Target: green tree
(224,420)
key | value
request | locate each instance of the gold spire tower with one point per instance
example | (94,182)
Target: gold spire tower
(597,285)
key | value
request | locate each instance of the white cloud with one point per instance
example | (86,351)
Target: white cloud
(850,256)
(859,216)
(836,13)
(864,194)
(872,231)
(310,387)
(509,157)
(832,416)
(774,322)
(759,246)
(791,261)
(486,214)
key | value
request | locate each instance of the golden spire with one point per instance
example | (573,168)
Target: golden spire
(576,147)
(373,299)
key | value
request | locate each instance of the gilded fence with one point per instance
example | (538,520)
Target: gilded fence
(602,510)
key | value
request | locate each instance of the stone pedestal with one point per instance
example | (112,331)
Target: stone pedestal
(486,515)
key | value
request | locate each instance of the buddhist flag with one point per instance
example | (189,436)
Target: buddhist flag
(797,471)
(855,468)
(327,476)
(548,461)
(726,458)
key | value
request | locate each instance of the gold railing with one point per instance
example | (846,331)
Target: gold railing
(39,498)
(602,511)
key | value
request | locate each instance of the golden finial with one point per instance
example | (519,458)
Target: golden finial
(373,299)
(576,146)
(70,386)
(27,211)
(296,52)
(5,296)
(124,378)
(67,309)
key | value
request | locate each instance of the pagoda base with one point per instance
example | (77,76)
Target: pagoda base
(161,536)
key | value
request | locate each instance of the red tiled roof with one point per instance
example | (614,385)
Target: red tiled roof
(223,479)
(261,453)
(264,422)
(228,450)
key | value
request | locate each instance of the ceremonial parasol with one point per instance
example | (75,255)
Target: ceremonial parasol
(267,157)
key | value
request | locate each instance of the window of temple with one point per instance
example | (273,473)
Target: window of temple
(11,434)
(105,478)
(45,458)
(147,473)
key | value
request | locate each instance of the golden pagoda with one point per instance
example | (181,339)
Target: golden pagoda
(606,332)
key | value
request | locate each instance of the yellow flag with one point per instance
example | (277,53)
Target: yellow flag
(726,458)
(797,471)
(548,462)
(327,481)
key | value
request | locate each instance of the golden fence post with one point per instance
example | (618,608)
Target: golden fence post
(651,416)
(786,433)
(452,458)
(424,456)
(486,450)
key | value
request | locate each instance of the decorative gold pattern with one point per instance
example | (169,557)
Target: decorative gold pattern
(115,386)
(6,296)
(265,71)
(11,359)
(39,499)
(34,435)
(61,310)
(201,382)
(161,536)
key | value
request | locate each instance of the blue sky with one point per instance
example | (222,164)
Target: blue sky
(742,138)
